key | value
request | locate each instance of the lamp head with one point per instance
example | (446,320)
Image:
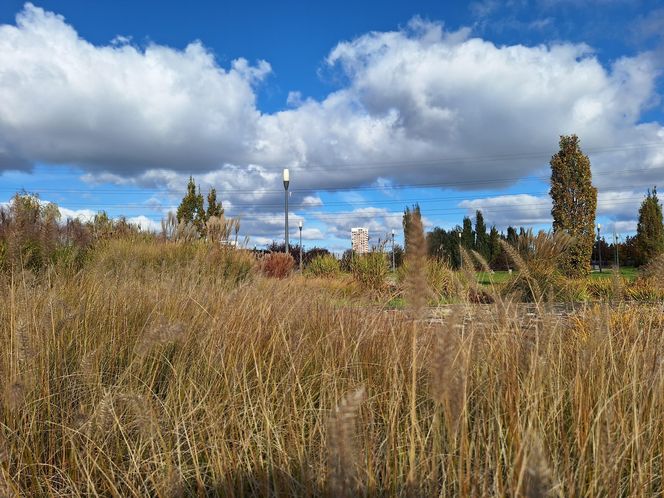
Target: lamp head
(599,226)
(300,224)
(286,178)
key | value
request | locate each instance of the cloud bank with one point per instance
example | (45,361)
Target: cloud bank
(420,104)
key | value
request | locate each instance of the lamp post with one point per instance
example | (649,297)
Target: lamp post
(286,181)
(615,249)
(393,262)
(599,247)
(460,253)
(300,227)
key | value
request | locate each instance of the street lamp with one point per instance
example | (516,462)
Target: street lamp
(599,247)
(615,249)
(300,227)
(286,181)
(460,253)
(393,263)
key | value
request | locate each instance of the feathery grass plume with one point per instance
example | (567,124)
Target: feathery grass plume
(538,479)
(160,333)
(449,371)
(15,393)
(342,451)
(140,409)
(7,489)
(481,261)
(4,450)
(88,366)
(617,286)
(103,416)
(24,349)
(416,286)
(172,484)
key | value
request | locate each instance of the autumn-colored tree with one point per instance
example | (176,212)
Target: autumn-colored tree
(650,229)
(574,204)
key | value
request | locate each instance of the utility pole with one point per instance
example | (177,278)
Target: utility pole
(599,247)
(393,262)
(286,182)
(300,227)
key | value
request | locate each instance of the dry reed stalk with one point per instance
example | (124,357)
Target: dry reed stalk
(416,293)
(343,459)
(538,478)
(416,287)
(15,393)
(4,450)
(449,373)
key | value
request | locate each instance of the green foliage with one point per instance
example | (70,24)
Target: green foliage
(192,212)
(574,204)
(481,237)
(442,281)
(444,246)
(467,234)
(214,207)
(190,205)
(650,229)
(370,270)
(326,266)
(537,259)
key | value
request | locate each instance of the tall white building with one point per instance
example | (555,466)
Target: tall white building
(360,239)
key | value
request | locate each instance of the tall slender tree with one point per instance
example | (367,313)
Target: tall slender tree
(574,204)
(481,237)
(650,229)
(467,234)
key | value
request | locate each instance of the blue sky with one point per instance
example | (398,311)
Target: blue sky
(372,107)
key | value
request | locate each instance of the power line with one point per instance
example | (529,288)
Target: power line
(352,203)
(336,189)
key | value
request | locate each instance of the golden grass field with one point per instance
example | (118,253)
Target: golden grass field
(164,370)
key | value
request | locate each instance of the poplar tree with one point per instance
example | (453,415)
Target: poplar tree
(574,204)
(650,229)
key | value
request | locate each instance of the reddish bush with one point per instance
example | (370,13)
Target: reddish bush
(277,265)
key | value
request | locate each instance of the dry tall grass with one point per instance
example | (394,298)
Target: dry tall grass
(152,377)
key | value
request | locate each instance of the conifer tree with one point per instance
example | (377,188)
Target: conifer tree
(481,237)
(495,249)
(650,229)
(187,209)
(574,204)
(214,207)
(467,234)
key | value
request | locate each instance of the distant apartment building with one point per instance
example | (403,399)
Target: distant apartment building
(360,239)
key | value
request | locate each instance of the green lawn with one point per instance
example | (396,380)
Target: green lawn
(496,277)
(484,278)
(629,272)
